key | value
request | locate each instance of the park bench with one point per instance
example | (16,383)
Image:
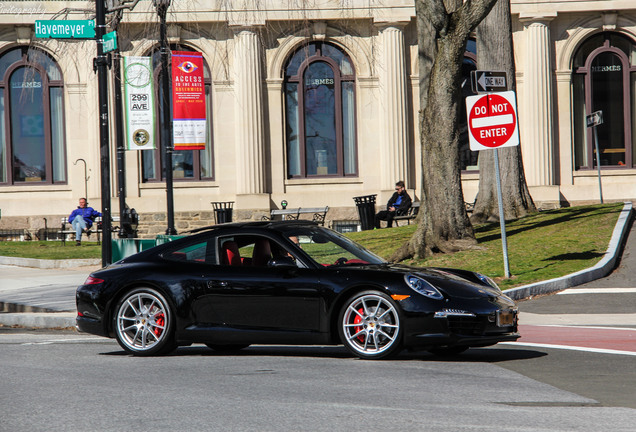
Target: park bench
(67,229)
(318,213)
(410,214)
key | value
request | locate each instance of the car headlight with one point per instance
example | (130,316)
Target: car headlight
(423,287)
(485,279)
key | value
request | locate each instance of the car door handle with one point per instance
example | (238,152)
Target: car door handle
(218,284)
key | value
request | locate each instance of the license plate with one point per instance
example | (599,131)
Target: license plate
(505,318)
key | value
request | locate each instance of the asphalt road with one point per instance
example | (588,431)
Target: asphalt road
(572,370)
(59,381)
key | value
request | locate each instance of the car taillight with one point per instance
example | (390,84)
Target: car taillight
(93,281)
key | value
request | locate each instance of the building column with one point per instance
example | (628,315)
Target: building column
(250,139)
(537,107)
(392,72)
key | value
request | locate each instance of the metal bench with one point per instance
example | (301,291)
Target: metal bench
(319,213)
(14,235)
(96,228)
(411,213)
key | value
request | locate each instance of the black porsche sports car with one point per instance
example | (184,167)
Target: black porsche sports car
(232,285)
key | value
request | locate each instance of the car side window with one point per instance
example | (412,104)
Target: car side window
(249,251)
(198,252)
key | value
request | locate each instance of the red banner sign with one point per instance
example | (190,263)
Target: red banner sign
(188,101)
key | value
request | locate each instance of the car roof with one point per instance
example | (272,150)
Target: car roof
(276,225)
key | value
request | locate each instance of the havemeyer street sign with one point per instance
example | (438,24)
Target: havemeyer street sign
(492,120)
(65,29)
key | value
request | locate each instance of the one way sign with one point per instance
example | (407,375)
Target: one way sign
(488,81)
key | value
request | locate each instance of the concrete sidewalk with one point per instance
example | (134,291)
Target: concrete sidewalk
(43,295)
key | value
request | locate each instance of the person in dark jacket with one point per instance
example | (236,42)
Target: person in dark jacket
(398,205)
(82,219)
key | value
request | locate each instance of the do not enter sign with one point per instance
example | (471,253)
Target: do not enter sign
(492,120)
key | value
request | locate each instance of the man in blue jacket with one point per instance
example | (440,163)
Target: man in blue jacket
(398,205)
(82,219)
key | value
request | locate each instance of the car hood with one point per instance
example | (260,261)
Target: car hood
(455,283)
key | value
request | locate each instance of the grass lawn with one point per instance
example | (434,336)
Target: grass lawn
(50,249)
(543,246)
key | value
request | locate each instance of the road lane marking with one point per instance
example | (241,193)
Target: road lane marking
(575,326)
(597,291)
(571,348)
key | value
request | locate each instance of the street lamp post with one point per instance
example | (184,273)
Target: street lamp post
(100,64)
(166,130)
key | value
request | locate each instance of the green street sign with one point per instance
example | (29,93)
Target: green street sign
(65,29)
(110,42)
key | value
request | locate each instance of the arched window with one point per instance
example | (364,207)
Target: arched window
(320,113)
(31,118)
(467,157)
(604,79)
(186,164)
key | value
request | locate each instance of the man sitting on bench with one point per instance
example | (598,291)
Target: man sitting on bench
(82,219)
(398,205)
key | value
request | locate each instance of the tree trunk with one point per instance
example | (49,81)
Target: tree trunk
(495,52)
(443,225)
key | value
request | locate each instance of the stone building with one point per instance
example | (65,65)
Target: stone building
(309,101)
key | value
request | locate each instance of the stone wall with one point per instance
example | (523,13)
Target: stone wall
(153,224)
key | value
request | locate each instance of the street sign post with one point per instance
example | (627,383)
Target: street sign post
(488,81)
(65,29)
(593,120)
(110,42)
(493,123)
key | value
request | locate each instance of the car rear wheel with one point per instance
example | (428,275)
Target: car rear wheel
(370,326)
(144,324)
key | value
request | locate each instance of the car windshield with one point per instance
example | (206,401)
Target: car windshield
(327,247)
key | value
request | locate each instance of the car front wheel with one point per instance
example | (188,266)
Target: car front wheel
(369,325)
(144,324)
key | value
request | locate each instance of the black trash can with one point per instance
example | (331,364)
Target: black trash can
(222,211)
(366,210)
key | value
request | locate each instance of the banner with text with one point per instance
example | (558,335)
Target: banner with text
(188,101)
(140,106)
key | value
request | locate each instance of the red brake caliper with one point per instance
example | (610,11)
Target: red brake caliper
(161,320)
(358,320)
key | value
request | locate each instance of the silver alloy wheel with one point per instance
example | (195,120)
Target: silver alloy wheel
(142,321)
(371,326)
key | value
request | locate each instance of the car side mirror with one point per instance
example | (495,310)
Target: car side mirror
(282,262)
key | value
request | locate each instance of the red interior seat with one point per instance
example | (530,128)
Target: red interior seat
(230,254)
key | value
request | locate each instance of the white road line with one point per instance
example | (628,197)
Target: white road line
(571,348)
(575,326)
(598,291)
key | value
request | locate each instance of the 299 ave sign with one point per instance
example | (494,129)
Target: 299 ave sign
(492,120)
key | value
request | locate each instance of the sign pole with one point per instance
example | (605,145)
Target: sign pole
(502,220)
(598,164)
(593,121)
(492,123)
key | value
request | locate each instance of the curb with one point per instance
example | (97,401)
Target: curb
(47,263)
(51,320)
(601,269)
